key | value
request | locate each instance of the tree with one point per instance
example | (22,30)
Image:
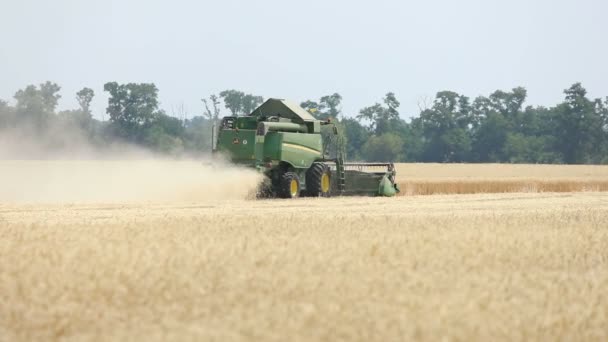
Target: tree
(233,101)
(332,105)
(458,146)
(212,113)
(29,103)
(156,138)
(132,108)
(197,135)
(250,103)
(383,148)
(170,125)
(382,118)
(509,104)
(578,127)
(601,108)
(446,128)
(81,118)
(6,114)
(490,138)
(356,136)
(75,119)
(84,98)
(36,105)
(313,108)
(50,95)
(520,148)
(327,107)
(412,135)
(239,103)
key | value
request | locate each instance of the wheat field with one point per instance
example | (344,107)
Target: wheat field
(431,179)
(175,266)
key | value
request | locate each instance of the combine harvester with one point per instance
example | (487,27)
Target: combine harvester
(298,154)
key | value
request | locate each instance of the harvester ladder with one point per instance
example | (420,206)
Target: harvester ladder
(336,142)
(341,174)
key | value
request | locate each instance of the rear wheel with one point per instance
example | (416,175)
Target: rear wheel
(318,180)
(289,186)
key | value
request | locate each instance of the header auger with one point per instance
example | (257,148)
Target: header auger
(298,154)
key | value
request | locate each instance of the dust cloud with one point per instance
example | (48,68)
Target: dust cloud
(116,181)
(69,169)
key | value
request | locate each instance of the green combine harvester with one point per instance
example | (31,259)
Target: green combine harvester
(298,154)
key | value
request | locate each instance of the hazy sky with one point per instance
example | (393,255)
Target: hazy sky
(306,49)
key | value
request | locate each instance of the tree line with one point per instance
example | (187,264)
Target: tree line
(450,128)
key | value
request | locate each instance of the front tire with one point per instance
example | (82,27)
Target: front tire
(289,186)
(318,180)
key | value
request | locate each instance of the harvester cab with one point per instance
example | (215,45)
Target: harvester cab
(298,154)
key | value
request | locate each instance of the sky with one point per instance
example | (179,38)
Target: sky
(303,50)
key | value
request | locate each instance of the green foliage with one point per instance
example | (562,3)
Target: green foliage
(447,128)
(509,104)
(383,148)
(76,118)
(328,107)
(36,105)
(490,138)
(578,127)
(50,95)
(414,140)
(135,117)
(197,135)
(382,118)
(239,103)
(161,141)
(80,119)
(212,107)
(530,149)
(496,128)
(132,107)
(313,108)
(84,98)
(6,114)
(356,136)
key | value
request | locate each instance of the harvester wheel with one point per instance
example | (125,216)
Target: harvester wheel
(289,185)
(318,180)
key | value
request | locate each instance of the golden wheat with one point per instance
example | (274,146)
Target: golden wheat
(482,267)
(417,171)
(431,179)
(182,265)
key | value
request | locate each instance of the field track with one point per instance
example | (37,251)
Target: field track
(169,181)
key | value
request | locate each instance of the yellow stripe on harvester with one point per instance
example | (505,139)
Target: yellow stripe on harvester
(301,148)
